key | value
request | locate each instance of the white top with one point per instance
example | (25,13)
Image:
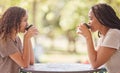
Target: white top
(112,40)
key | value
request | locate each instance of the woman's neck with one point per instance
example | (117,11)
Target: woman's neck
(104,30)
(13,36)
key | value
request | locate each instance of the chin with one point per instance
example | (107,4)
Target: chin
(23,31)
(93,30)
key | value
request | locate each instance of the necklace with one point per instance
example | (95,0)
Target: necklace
(14,41)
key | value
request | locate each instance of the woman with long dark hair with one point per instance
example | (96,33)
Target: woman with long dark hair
(14,54)
(102,18)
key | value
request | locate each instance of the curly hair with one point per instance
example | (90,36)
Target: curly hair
(10,20)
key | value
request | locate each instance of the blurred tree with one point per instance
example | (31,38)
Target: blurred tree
(58,17)
(73,13)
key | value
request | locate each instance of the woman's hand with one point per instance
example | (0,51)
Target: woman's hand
(32,31)
(83,30)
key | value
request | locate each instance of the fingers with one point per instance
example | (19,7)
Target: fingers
(81,28)
(32,31)
(78,30)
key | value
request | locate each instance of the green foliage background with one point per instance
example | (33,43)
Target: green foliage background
(58,18)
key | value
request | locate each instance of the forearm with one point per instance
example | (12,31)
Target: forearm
(26,51)
(92,54)
(32,59)
(29,34)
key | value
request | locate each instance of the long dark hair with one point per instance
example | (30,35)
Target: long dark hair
(10,20)
(106,15)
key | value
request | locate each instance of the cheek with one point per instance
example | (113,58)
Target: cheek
(94,26)
(93,29)
(22,28)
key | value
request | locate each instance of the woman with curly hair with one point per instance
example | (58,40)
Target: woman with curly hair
(14,54)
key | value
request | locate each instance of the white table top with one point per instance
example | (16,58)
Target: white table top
(59,67)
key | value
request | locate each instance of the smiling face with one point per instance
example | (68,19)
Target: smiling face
(93,22)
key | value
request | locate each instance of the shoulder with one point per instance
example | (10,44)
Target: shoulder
(113,32)
(112,39)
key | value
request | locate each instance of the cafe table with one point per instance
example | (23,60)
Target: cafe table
(60,68)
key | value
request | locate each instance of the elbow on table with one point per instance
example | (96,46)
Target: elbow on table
(95,66)
(31,63)
(25,65)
